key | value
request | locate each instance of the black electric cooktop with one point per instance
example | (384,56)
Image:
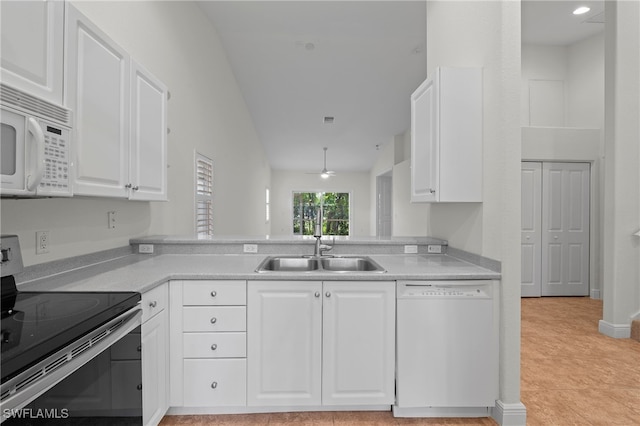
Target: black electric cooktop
(36,324)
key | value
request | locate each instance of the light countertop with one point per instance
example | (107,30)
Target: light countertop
(141,273)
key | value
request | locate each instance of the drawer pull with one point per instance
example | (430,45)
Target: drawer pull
(214,385)
(139,348)
(317,294)
(139,387)
(214,347)
(153,304)
(214,294)
(213,320)
(328,294)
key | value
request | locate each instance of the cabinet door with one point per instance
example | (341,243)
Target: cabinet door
(424,141)
(358,343)
(98,93)
(32,47)
(148,171)
(284,343)
(155,368)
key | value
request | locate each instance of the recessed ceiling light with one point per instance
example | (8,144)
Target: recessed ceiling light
(328,120)
(581,10)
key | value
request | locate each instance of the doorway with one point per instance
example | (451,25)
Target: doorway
(555,229)
(384,205)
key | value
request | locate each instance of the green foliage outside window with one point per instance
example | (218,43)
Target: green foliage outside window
(334,207)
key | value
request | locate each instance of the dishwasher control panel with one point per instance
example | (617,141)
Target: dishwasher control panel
(453,289)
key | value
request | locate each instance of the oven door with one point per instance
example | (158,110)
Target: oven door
(98,377)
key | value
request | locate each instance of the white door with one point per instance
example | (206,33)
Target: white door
(384,203)
(358,343)
(98,70)
(424,141)
(531,244)
(565,229)
(284,332)
(148,171)
(32,47)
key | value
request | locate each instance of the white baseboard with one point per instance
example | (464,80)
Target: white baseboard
(595,293)
(510,414)
(442,411)
(617,331)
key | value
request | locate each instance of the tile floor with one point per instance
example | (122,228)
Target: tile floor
(571,375)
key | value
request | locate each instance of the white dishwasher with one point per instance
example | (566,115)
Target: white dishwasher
(447,348)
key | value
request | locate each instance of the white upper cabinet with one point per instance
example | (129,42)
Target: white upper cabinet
(446,137)
(120,117)
(32,45)
(148,171)
(98,93)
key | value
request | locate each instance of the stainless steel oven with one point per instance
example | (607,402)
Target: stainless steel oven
(68,357)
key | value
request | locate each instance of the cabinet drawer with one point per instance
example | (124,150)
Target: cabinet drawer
(215,382)
(214,293)
(128,347)
(154,301)
(214,318)
(214,345)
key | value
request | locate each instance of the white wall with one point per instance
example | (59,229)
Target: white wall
(622,178)
(487,34)
(284,183)
(206,112)
(580,69)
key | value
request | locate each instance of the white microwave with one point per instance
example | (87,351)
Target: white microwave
(36,146)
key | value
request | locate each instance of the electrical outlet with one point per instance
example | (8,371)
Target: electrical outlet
(250,248)
(145,248)
(42,242)
(434,248)
(411,249)
(111,217)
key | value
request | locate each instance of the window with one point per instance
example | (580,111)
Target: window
(267,214)
(204,195)
(334,208)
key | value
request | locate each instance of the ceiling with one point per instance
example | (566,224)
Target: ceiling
(297,62)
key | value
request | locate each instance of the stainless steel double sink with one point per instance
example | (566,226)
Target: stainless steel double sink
(319,264)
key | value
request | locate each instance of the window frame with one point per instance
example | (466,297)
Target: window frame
(291,211)
(203,196)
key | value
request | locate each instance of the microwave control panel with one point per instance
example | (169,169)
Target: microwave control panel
(56,178)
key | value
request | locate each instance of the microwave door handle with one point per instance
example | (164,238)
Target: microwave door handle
(33,180)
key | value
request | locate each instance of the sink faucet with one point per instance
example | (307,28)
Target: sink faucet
(317,233)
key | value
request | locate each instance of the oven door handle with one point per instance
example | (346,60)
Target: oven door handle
(16,395)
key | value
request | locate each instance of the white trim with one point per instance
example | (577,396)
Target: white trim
(595,293)
(269,409)
(617,331)
(510,414)
(475,412)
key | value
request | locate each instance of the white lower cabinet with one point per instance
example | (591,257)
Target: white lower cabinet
(208,349)
(155,367)
(215,382)
(314,343)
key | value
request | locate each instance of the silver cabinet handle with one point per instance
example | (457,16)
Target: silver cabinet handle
(328,294)
(214,385)
(139,348)
(214,294)
(153,304)
(135,188)
(317,294)
(213,320)
(128,185)
(214,347)
(139,387)
(433,191)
